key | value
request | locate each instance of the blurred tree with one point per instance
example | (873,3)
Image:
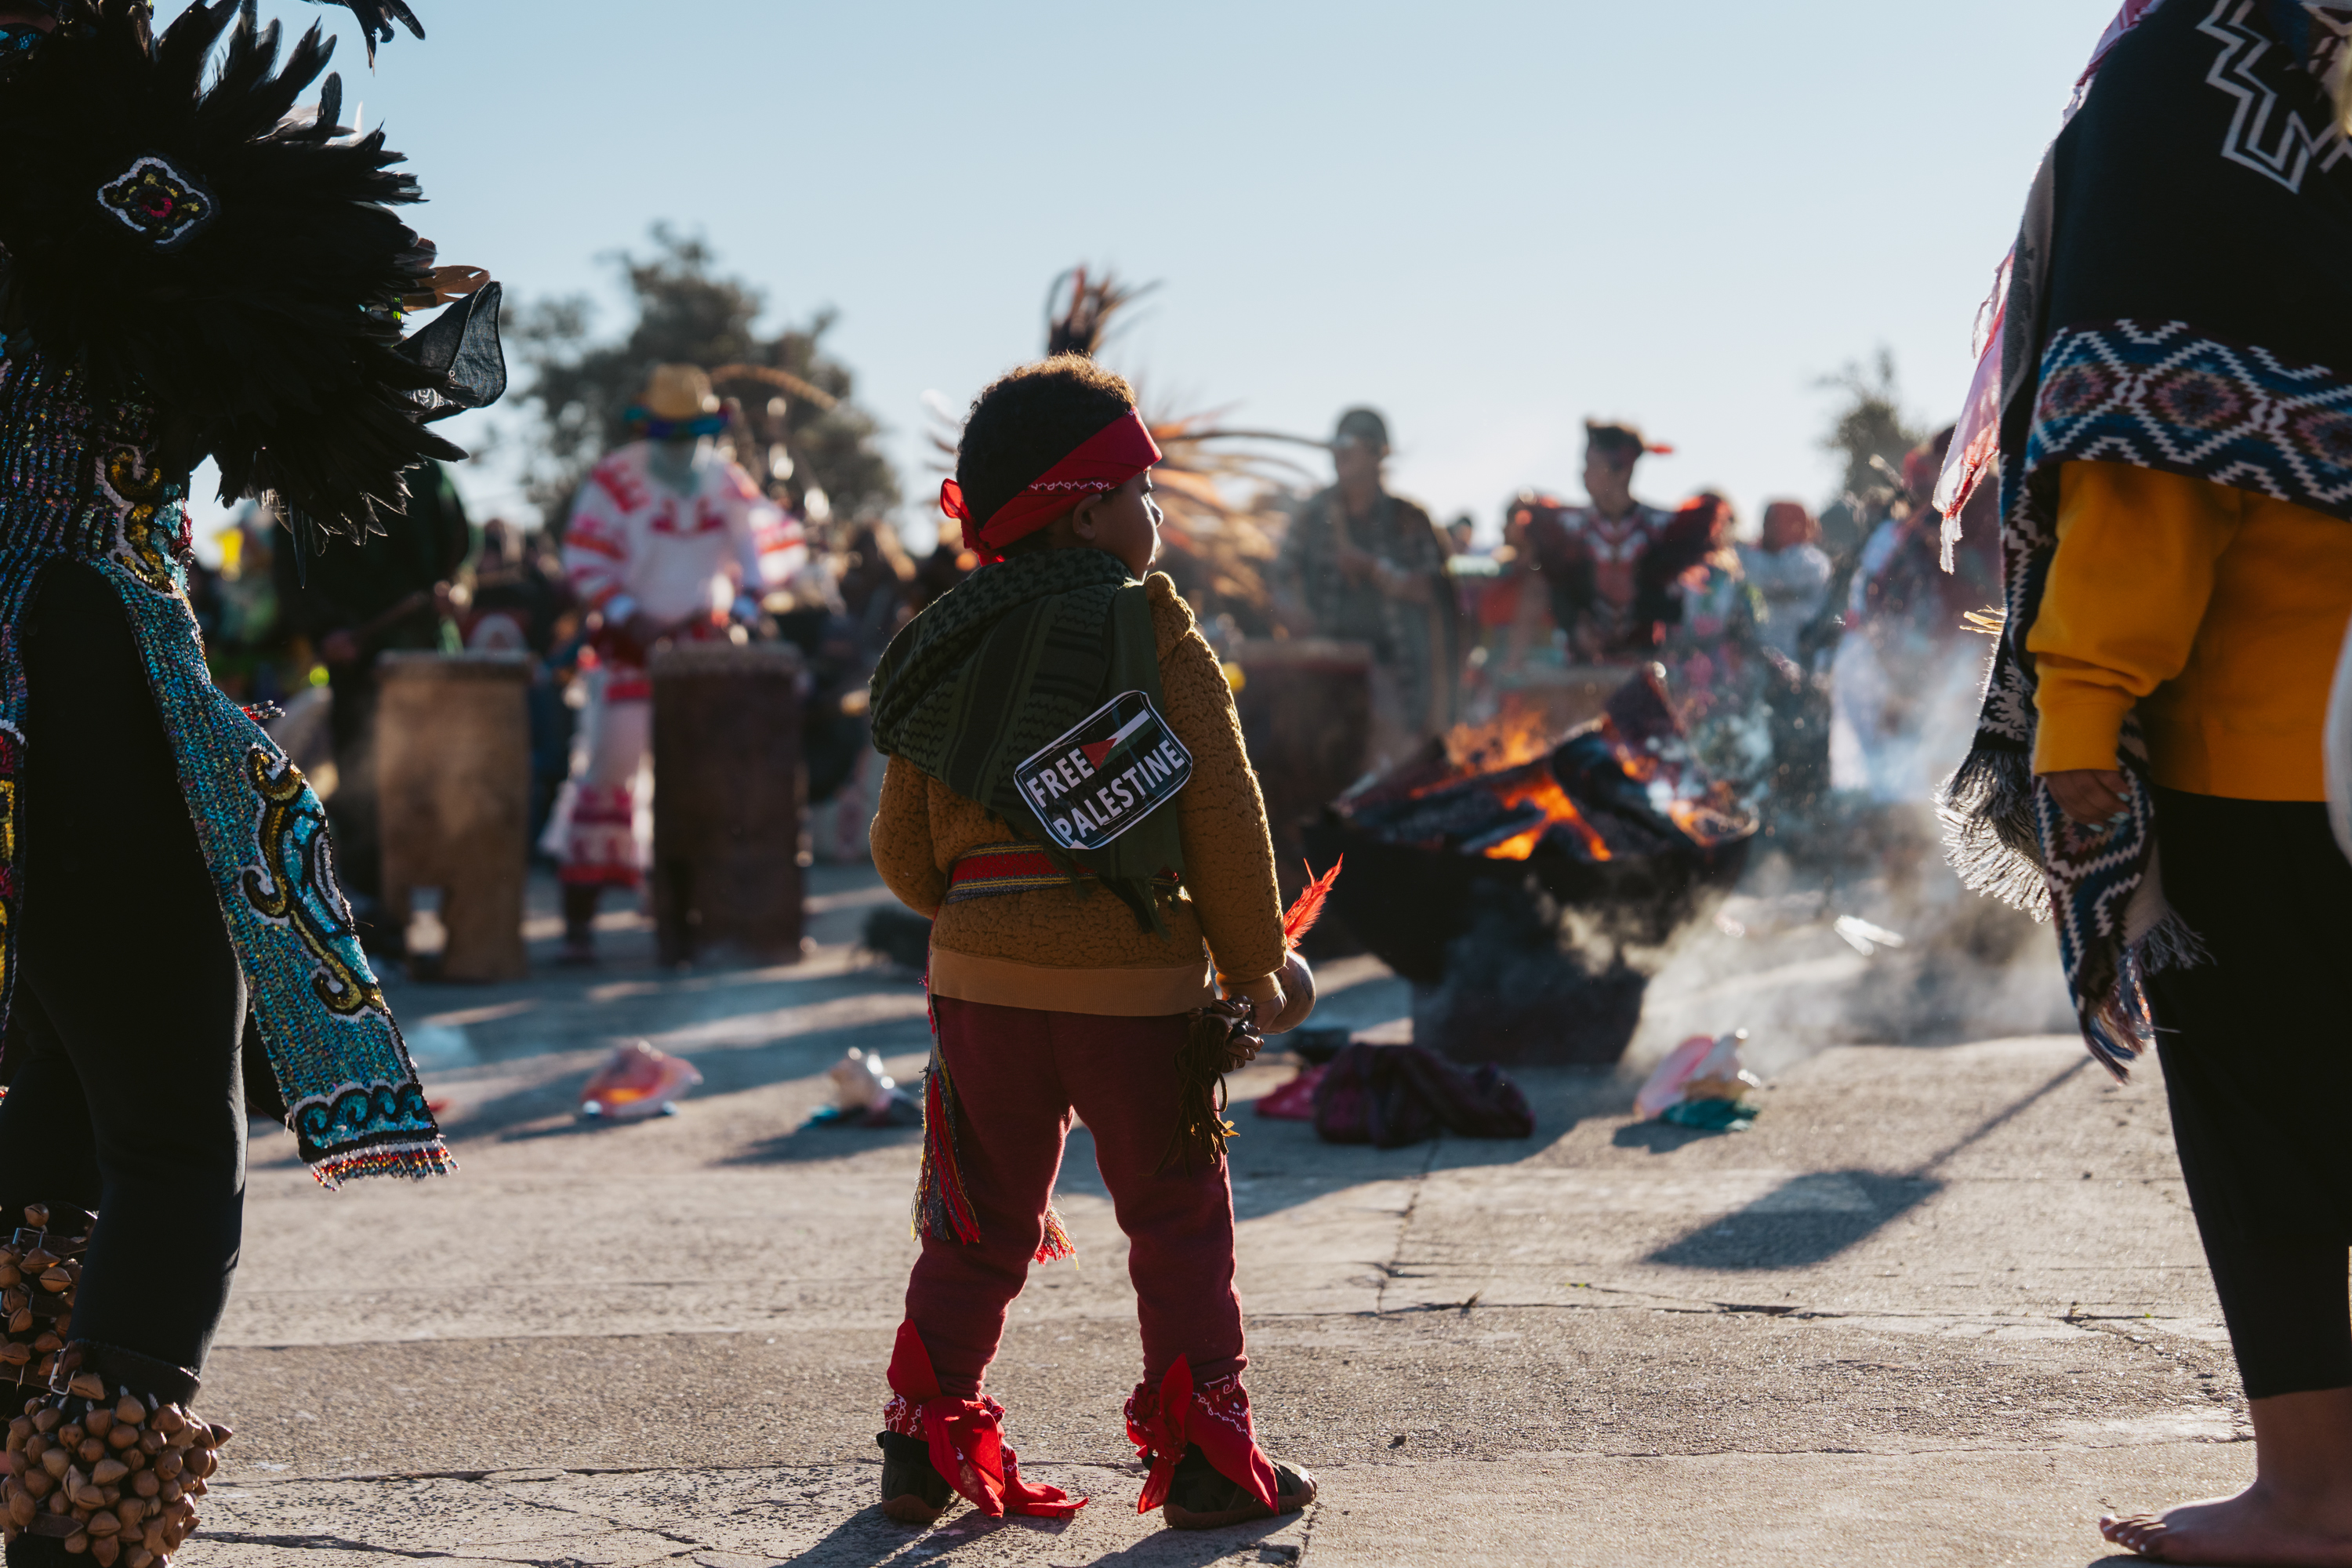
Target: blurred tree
(802,434)
(1868,423)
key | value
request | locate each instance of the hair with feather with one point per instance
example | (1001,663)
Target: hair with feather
(1079,309)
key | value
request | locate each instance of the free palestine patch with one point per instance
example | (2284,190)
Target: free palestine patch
(1111,770)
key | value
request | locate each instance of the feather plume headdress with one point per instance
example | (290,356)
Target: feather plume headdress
(1215,496)
(211,250)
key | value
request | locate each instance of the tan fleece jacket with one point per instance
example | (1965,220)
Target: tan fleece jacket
(1079,949)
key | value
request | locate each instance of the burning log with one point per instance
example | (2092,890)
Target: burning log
(1521,881)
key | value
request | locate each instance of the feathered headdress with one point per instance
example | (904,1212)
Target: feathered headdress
(376,18)
(237,265)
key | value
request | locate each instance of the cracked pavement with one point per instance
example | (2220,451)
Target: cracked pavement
(1935,1282)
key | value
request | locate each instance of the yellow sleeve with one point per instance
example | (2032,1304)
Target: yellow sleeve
(2127,590)
(901,838)
(1220,817)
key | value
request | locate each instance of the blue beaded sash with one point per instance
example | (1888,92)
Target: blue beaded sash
(78,482)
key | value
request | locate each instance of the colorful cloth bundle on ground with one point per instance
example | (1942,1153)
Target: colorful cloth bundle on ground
(1389,1096)
(2221,352)
(1703,1084)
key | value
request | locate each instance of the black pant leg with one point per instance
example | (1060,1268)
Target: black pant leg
(48,1152)
(2244,1038)
(125,948)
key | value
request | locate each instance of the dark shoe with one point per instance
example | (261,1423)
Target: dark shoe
(1201,1497)
(28,1550)
(913,1492)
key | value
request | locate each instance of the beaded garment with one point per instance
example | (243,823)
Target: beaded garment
(78,481)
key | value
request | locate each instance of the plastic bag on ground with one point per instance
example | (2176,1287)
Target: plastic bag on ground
(1703,1082)
(866,1095)
(636,1081)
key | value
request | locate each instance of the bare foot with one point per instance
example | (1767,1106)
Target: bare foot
(2256,1529)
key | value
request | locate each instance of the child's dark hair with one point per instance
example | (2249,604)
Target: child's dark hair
(1027,420)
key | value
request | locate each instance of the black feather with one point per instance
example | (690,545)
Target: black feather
(376,18)
(268,336)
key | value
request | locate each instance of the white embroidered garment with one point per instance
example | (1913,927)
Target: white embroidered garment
(634,543)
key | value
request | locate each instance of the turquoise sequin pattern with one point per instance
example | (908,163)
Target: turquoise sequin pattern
(78,482)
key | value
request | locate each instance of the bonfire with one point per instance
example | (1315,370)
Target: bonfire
(1526,882)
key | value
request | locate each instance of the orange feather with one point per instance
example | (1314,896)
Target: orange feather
(1302,916)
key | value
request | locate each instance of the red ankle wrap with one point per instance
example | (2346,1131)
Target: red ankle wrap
(966,1438)
(1216,1416)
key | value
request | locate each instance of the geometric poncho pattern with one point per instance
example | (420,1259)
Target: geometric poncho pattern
(79,480)
(2181,301)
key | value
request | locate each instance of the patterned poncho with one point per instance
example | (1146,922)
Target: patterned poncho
(2179,299)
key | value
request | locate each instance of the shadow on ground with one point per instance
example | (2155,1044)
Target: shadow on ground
(1813,1217)
(1806,1220)
(866,1540)
(830,1140)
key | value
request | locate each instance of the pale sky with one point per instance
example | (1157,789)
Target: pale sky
(1486,220)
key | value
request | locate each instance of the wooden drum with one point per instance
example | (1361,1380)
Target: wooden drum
(730,790)
(452,750)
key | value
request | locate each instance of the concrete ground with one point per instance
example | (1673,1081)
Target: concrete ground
(1943,1305)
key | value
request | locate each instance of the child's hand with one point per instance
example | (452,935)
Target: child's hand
(1297,995)
(1246,1043)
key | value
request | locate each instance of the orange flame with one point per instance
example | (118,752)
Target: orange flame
(1543,790)
(1640,766)
(1516,738)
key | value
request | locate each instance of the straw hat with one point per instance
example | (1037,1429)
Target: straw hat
(678,393)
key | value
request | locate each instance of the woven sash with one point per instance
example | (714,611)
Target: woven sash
(994,869)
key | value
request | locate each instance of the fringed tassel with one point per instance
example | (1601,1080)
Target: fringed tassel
(1300,917)
(942,1209)
(1987,810)
(2117,1026)
(1057,1244)
(415,1161)
(1209,1050)
(2119,1029)
(2171,945)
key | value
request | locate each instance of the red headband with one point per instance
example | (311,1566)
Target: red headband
(1108,459)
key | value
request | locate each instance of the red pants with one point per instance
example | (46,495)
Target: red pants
(1018,1076)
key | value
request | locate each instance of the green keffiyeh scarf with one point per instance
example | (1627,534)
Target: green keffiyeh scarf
(1005,663)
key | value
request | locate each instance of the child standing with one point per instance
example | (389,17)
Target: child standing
(1067,797)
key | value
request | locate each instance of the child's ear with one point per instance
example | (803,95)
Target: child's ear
(1087,521)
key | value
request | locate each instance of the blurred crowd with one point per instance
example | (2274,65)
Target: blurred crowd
(1809,654)
(1806,654)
